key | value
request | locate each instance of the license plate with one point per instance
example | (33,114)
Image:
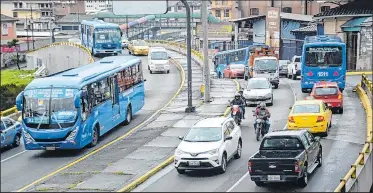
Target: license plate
(274,177)
(51,148)
(159,68)
(306,128)
(194,163)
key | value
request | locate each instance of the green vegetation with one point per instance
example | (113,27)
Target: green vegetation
(12,83)
(119,173)
(73,173)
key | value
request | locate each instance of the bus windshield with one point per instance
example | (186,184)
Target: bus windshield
(270,64)
(324,56)
(159,56)
(107,35)
(49,108)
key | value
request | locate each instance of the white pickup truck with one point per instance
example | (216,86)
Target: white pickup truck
(294,68)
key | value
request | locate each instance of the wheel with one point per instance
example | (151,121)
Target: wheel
(319,158)
(245,77)
(340,111)
(219,75)
(271,103)
(180,171)
(95,136)
(258,133)
(303,181)
(151,72)
(128,116)
(148,67)
(259,183)
(168,71)
(239,150)
(129,52)
(223,166)
(276,86)
(289,76)
(294,76)
(17,140)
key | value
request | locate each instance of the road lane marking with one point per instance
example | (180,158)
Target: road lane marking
(285,127)
(13,156)
(182,72)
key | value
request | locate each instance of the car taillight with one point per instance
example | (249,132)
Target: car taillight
(296,167)
(291,119)
(339,96)
(249,166)
(320,119)
(310,73)
(335,73)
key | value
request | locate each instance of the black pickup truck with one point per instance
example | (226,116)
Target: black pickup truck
(286,156)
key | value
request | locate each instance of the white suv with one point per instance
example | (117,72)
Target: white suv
(209,144)
(294,68)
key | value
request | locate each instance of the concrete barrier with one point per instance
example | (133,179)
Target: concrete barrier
(360,177)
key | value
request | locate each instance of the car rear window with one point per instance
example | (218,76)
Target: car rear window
(297,59)
(306,108)
(322,91)
(281,143)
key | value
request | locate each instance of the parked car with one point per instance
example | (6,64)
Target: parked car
(283,66)
(234,71)
(330,93)
(295,67)
(258,90)
(312,115)
(286,156)
(11,132)
(209,144)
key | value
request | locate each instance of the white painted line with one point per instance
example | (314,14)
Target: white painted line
(13,156)
(247,173)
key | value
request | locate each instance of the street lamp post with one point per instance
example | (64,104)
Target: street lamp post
(206,65)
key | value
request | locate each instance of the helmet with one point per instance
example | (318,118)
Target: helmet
(262,105)
(237,95)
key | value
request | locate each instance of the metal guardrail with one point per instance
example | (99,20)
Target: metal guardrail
(9,111)
(365,88)
(198,54)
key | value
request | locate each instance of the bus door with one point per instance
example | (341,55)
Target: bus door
(115,99)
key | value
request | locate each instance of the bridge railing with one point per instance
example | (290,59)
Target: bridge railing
(360,176)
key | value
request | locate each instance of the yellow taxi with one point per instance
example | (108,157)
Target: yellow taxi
(138,47)
(313,115)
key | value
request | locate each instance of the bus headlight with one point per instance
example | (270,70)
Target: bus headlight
(72,135)
(28,137)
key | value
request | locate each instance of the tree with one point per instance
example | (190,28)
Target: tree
(14,43)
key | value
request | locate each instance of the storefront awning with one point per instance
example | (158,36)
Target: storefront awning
(353,25)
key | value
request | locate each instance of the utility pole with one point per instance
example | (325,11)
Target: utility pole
(206,65)
(32,30)
(190,107)
(28,43)
(127,26)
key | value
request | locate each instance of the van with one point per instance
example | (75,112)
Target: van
(158,60)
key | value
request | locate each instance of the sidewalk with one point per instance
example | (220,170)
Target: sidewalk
(134,159)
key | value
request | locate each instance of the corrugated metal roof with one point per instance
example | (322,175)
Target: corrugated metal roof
(283,15)
(355,8)
(247,18)
(367,22)
(7,18)
(72,18)
(355,22)
(310,28)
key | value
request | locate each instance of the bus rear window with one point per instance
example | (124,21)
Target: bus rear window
(321,91)
(324,56)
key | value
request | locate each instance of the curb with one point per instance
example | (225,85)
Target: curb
(164,164)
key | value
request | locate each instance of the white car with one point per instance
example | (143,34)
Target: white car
(258,90)
(294,68)
(209,144)
(158,60)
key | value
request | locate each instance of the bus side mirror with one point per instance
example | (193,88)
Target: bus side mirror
(77,99)
(19,101)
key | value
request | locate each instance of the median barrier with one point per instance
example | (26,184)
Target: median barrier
(360,177)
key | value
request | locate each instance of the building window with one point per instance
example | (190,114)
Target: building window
(217,13)
(217,2)
(42,13)
(20,5)
(254,11)
(226,13)
(224,2)
(286,9)
(15,5)
(15,14)
(4,29)
(42,5)
(324,8)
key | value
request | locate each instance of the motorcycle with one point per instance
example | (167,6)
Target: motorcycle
(260,126)
(236,113)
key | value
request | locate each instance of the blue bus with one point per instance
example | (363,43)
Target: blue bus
(239,56)
(101,38)
(323,59)
(73,108)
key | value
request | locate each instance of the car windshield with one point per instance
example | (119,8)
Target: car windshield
(203,134)
(140,43)
(281,143)
(306,108)
(237,66)
(323,91)
(107,35)
(270,64)
(159,56)
(324,56)
(49,108)
(257,84)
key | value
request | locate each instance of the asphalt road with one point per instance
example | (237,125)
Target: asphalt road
(20,167)
(340,150)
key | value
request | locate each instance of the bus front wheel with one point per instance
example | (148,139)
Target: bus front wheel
(95,136)
(128,116)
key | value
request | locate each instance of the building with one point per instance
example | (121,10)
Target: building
(6,8)
(66,7)
(94,6)
(349,21)
(8,28)
(224,10)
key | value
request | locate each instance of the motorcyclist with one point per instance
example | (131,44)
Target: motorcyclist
(238,101)
(244,100)
(262,110)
